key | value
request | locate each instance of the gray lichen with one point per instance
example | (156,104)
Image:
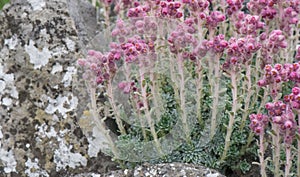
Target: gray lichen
(167,170)
(40,135)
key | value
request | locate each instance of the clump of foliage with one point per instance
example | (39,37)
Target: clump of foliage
(183,77)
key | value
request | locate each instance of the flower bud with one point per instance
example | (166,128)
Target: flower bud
(258,130)
(277,119)
(278,67)
(262,83)
(268,68)
(179,14)
(269,106)
(288,124)
(296,90)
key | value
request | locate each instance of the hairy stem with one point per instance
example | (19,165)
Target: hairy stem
(232,114)
(288,160)
(135,98)
(264,101)
(262,154)
(199,84)
(140,118)
(214,75)
(155,96)
(114,107)
(199,80)
(106,14)
(182,97)
(276,152)
(257,75)
(174,80)
(146,107)
(100,124)
(248,97)
(298,149)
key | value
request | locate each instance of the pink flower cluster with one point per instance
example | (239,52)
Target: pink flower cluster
(143,25)
(248,24)
(99,67)
(138,10)
(258,122)
(283,116)
(170,9)
(135,47)
(280,74)
(276,109)
(286,11)
(120,31)
(268,12)
(295,4)
(180,39)
(201,49)
(273,75)
(191,25)
(234,6)
(218,44)
(294,98)
(213,19)
(147,26)
(240,50)
(290,17)
(264,7)
(197,5)
(272,44)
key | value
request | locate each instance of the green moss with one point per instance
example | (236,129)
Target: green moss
(2,3)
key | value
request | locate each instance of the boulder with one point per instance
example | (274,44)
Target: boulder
(40,135)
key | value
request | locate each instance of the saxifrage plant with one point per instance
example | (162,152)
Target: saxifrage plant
(195,66)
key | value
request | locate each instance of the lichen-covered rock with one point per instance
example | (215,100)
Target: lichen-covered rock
(39,131)
(166,170)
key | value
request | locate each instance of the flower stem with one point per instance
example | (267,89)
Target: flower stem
(182,97)
(214,75)
(261,156)
(199,91)
(288,160)
(100,125)
(248,97)
(276,156)
(146,107)
(106,13)
(298,141)
(232,114)
(114,107)
(155,96)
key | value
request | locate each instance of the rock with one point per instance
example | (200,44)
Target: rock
(166,170)
(43,131)
(39,130)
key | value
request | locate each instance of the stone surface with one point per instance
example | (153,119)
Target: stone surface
(166,170)
(39,130)
(42,132)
